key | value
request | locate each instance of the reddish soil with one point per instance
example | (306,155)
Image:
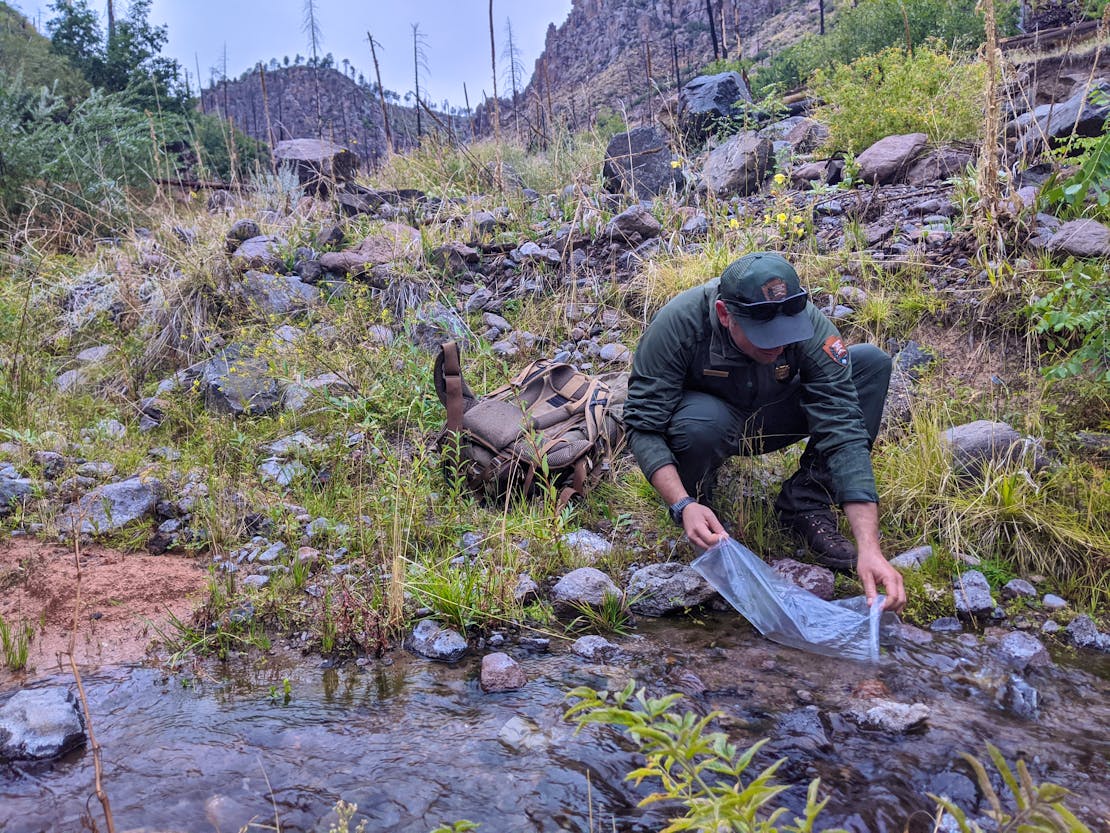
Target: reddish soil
(125,599)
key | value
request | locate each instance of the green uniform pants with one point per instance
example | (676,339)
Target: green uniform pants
(705,431)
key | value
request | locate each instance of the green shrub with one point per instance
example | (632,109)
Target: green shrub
(1075,315)
(875,25)
(891,92)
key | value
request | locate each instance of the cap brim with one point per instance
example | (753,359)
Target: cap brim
(779,331)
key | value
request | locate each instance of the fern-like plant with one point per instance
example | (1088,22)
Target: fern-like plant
(1038,808)
(700,769)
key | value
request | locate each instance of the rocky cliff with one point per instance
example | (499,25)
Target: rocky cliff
(349,114)
(626,54)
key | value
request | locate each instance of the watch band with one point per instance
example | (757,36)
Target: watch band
(677,508)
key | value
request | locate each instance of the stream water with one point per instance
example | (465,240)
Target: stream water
(416,744)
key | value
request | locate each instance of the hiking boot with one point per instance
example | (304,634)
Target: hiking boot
(820,533)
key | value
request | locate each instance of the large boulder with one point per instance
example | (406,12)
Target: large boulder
(237,382)
(319,164)
(1085,111)
(938,165)
(659,589)
(639,163)
(1081,238)
(890,158)
(739,166)
(36,724)
(276,294)
(708,100)
(632,226)
(261,252)
(584,586)
(395,241)
(111,506)
(984,443)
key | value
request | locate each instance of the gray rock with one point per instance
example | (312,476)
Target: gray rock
(639,163)
(1050,627)
(95,355)
(433,641)
(281,472)
(632,226)
(584,586)
(534,253)
(99,470)
(946,624)
(1055,120)
(594,648)
(955,786)
(12,491)
(816,579)
(912,559)
(243,229)
(255,581)
(890,158)
(707,100)
(276,294)
(739,166)
(271,553)
(972,595)
(1020,650)
(71,380)
(696,226)
(1083,634)
(1080,238)
(1053,603)
(111,507)
(587,545)
(51,462)
(890,716)
(454,258)
(239,383)
(525,590)
(36,724)
(500,672)
(1019,697)
(668,587)
(615,352)
(937,165)
(1019,588)
(262,252)
(983,442)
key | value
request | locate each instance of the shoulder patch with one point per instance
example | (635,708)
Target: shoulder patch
(835,350)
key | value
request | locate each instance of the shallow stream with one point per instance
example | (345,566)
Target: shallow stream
(416,744)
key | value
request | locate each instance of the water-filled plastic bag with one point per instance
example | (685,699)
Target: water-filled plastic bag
(788,614)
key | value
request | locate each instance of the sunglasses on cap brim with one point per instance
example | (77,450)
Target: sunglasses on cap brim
(766,310)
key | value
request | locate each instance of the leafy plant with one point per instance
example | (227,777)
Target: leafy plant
(1075,314)
(1091,181)
(700,769)
(893,92)
(611,616)
(1038,808)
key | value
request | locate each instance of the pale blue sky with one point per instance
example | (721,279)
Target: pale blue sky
(456,34)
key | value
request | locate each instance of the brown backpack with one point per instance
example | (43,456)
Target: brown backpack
(550,422)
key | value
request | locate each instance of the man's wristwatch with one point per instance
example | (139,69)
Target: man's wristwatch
(676,509)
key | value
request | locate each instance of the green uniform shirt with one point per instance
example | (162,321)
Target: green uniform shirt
(686,348)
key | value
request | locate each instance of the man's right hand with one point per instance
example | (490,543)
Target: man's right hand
(701,526)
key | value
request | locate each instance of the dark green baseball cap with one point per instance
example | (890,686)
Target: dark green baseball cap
(763,292)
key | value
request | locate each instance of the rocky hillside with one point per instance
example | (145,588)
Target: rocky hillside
(607,51)
(348,114)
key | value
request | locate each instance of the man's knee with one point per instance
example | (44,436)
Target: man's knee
(702,425)
(870,364)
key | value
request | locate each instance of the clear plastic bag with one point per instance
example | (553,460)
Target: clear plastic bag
(785,613)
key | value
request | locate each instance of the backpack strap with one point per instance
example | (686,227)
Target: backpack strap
(450,387)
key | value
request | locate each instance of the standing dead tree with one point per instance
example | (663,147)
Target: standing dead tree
(515,71)
(381,95)
(419,62)
(312,29)
(712,29)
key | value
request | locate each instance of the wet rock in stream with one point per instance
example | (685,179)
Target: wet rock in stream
(36,724)
(433,641)
(500,672)
(659,589)
(889,716)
